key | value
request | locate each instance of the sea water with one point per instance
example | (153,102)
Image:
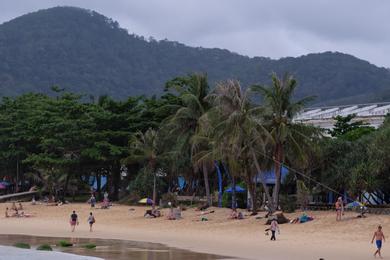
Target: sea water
(105,249)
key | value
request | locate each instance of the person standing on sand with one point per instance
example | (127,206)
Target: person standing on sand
(73,221)
(378,236)
(91,221)
(339,205)
(274,227)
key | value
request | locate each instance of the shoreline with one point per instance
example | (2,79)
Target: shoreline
(242,239)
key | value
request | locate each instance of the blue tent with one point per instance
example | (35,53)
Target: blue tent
(5,183)
(238,189)
(269,176)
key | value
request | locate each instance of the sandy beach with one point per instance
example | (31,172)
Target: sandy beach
(322,238)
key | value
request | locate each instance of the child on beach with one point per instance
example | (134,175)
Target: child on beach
(339,205)
(91,221)
(378,236)
(273,228)
(92,201)
(73,221)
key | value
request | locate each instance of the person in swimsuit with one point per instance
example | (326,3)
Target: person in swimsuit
(273,228)
(339,208)
(379,237)
(73,221)
(91,221)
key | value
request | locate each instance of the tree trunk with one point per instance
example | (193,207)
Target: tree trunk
(154,191)
(98,186)
(116,178)
(265,187)
(206,183)
(278,175)
(234,200)
(252,191)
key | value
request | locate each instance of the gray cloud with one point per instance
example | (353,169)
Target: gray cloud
(273,29)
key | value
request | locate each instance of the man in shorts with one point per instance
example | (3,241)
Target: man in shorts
(378,236)
(73,221)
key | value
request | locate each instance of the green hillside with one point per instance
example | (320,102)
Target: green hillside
(86,52)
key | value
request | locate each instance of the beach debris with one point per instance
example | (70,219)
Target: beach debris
(64,243)
(22,245)
(45,247)
(280,218)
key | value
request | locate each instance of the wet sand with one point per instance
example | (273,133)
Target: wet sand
(108,249)
(321,238)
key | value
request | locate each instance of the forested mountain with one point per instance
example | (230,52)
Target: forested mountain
(85,52)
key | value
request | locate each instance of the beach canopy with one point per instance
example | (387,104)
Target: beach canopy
(146,201)
(238,189)
(354,204)
(269,176)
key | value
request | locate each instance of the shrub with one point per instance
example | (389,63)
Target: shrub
(90,246)
(22,245)
(44,247)
(288,203)
(64,243)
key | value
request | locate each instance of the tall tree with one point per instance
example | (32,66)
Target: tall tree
(279,111)
(144,148)
(184,124)
(236,128)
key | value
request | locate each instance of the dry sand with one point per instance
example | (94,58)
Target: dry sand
(322,238)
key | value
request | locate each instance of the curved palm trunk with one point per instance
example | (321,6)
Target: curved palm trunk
(265,187)
(206,183)
(252,190)
(278,175)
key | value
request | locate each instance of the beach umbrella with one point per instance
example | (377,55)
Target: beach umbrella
(146,201)
(5,183)
(238,189)
(354,204)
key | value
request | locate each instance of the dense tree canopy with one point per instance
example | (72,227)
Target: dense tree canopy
(88,53)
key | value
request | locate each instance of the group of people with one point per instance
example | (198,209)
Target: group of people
(74,221)
(105,204)
(16,211)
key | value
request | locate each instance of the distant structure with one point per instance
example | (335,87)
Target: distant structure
(372,114)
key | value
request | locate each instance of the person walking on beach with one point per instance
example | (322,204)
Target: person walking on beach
(92,201)
(339,205)
(73,221)
(274,227)
(91,221)
(378,236)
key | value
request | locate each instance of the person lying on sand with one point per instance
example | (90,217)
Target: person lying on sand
(378,236)
(236,215)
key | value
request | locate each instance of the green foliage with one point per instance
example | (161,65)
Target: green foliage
(22,245)
(302,194)
(142,185)
(345,127)
(45,247)
(85,52)
(89,246)
(240,198)
(64,243)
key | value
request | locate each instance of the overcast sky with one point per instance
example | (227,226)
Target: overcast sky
(271,28)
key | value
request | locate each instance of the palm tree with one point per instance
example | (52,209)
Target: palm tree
(235,126)
(144,147)
(279,112)
(184,124)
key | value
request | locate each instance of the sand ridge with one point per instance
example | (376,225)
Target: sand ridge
(321,238)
